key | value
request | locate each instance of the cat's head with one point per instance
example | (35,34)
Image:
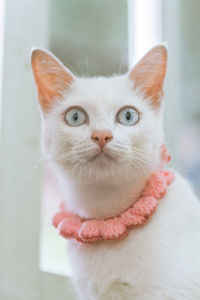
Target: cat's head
(104,128)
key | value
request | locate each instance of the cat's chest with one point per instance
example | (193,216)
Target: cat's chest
(137,250)
(127,266)
(118,260)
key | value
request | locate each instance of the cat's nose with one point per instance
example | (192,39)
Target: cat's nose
(101,137)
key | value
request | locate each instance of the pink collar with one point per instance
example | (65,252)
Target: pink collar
(72,226)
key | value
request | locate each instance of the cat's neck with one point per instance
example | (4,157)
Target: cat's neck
(101,200)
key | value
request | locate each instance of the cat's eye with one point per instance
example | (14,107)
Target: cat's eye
(128,116)
(75,117)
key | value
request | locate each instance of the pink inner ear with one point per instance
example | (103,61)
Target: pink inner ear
(149,74)
(51,77)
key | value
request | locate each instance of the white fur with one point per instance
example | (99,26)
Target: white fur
(160,260)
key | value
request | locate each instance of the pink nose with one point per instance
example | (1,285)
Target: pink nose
(101,137)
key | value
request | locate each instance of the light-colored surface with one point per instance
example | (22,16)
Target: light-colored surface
(90,36)
(21,278)
(2,8)
(143,35)
(174,110)
(53,252)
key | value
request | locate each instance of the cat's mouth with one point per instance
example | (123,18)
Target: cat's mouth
(101,155)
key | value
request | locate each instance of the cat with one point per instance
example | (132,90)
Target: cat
(103,137)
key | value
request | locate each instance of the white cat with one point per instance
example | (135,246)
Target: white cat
(103,136)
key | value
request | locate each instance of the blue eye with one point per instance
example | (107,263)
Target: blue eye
(75,117)
(128,116)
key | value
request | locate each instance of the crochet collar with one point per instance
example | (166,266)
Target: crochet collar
(72,226)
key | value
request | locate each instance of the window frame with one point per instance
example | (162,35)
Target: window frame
(20,182)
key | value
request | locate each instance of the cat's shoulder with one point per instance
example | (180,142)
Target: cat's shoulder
(181,199)
(182,188)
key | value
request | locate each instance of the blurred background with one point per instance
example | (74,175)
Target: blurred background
(92,38)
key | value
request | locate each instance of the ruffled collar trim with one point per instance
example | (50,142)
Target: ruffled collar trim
(72,226)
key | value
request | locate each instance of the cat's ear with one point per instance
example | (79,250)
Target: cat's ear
(51,76)
(149,73)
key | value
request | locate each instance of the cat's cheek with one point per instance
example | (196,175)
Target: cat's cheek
(46,142)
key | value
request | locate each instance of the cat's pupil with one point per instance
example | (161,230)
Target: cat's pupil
(75,116)
(128,115)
